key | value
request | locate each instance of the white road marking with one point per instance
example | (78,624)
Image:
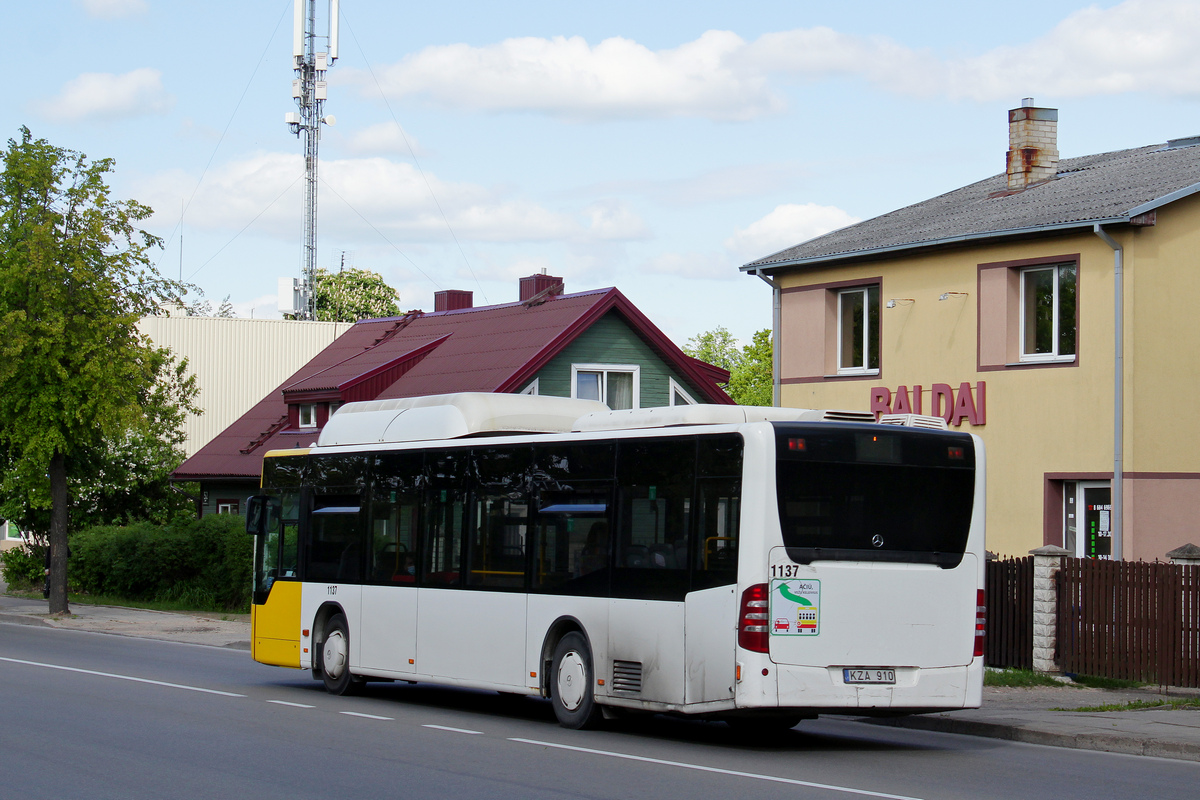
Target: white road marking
(702,768)
(286,703)
(453,730)
(365,716)
(121,677)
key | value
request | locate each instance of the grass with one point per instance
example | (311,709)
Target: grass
(1021,678)
(1096,682)
(1137,705)
(181,605)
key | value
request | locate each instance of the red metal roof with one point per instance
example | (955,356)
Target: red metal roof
(488,349)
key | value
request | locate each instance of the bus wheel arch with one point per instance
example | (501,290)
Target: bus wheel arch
(320,627)
(571,681)
(560,628)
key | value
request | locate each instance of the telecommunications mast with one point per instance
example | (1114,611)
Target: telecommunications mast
(309,89)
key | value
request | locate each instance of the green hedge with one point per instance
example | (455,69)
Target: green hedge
(204,563)
(22,566)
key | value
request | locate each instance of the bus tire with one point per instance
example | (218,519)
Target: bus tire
(335,658)
(572,683)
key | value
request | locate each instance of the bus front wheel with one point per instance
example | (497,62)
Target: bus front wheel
(335,659)
(572,684)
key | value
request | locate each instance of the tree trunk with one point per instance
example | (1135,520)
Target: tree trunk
(58,534)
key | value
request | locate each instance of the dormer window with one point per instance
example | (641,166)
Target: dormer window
(308,415)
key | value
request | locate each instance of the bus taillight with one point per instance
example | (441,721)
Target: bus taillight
(753,619)
(980,621)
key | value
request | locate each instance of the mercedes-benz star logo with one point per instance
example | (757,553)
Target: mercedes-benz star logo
(877,540)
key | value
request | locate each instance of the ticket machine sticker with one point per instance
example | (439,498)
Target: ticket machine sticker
(798,604)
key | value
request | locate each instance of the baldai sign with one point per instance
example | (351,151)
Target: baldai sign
(953,405)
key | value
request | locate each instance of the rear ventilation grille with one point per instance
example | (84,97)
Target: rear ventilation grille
(914,421)
(848,416)
(627,676)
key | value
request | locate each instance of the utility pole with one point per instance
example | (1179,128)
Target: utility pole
(309,89)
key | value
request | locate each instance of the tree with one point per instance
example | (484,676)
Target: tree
(751,383)
(75,373)
(353,294)
(750,366)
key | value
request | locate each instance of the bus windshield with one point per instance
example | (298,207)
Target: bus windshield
(854,495)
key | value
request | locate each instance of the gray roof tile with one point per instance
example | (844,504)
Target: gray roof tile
(1089,189)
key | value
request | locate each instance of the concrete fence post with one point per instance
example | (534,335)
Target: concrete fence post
(1046,561)
(1188,555)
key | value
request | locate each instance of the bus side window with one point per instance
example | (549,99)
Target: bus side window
(395,517)
(499,517)
(718,511)
(443,537)
(655,481)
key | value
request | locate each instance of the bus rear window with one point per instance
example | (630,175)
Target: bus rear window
(876,507)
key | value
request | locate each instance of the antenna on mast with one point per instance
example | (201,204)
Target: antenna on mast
(309,90)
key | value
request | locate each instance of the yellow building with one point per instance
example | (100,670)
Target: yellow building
(1010,307)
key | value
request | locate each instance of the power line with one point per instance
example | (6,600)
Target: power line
(417,163)
(217,147)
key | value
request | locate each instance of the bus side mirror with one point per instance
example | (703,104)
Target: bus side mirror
(256,514)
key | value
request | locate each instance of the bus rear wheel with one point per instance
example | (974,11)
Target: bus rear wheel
(572,683)
(335,659)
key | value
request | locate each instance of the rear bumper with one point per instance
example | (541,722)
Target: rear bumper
(822,689)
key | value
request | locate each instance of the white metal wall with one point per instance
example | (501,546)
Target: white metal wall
(237,362)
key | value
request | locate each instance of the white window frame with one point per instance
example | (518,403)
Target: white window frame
(867,345)
(1055,356)
(673,386)
(229,507)
(312,415)
(531,389)
(333,407)
(604,369)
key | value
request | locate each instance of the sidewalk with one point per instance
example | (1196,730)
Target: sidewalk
(1027,715)
(1022,715)
(232,632)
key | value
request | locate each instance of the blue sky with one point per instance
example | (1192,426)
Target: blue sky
(655,147)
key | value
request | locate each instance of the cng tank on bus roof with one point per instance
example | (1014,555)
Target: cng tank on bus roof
(701,414)
(449,416)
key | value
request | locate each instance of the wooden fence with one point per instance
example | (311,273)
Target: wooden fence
(1009,640)
(1131,620)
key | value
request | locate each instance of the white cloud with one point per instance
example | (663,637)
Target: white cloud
(263,307)
(693,265)
(385,138)
(103,95)
(361,198)
(785,226)
(113,9)
(1135,45)
(570,77)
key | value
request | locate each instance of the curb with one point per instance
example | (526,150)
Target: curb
(1104,742)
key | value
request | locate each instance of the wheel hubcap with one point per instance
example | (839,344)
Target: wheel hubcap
(334,654)
(572,681)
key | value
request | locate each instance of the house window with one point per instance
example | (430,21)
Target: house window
(531,389)
(227,507)
(617,385)
(1048,313)
(858,330)
(679,397)
(333,407)
(308,415)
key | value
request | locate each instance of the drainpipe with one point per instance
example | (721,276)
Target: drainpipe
(776,297)
(1118,389)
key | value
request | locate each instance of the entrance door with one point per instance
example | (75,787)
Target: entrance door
(1087,519)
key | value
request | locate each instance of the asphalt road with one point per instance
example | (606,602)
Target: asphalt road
(96,716)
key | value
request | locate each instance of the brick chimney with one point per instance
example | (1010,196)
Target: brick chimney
(452,300)
(536,284)
(1032,145)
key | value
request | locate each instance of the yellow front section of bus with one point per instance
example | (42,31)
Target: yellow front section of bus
(275,626)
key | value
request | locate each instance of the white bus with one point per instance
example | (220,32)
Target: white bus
(757,565)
